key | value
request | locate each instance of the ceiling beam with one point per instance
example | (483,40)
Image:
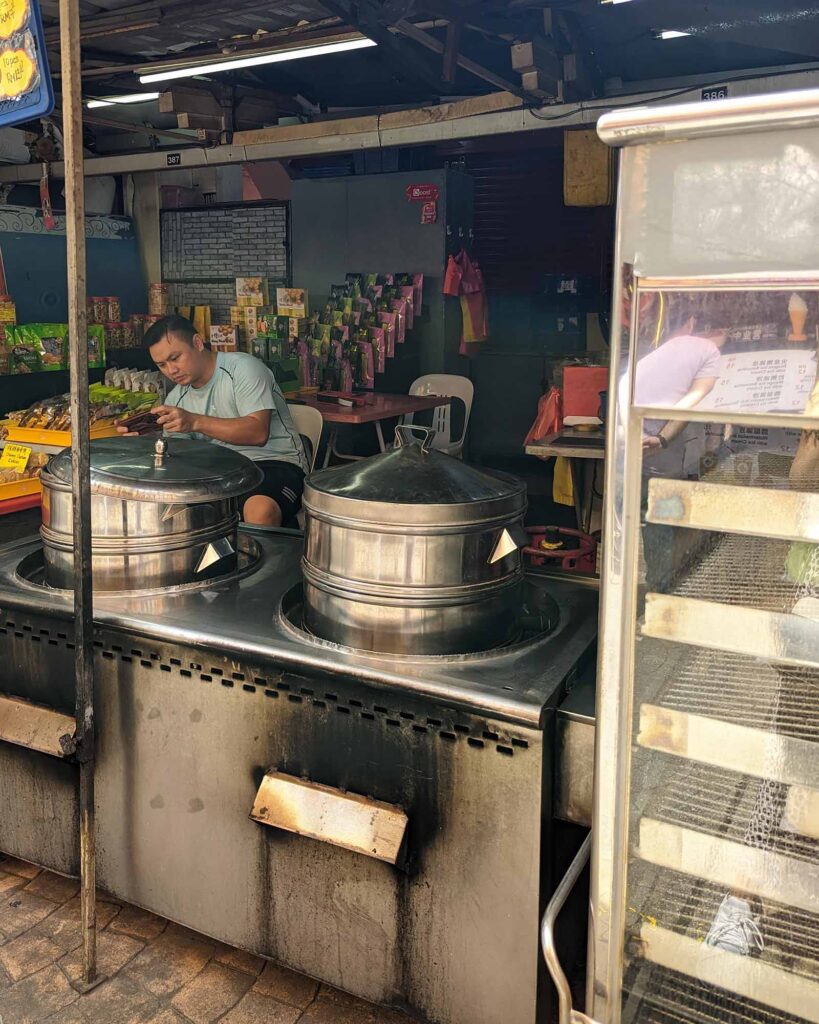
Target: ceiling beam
(143,129)
(425,129)
(453,39)
(581,73)
(539,66)
(365,16)
(102,24)
(212,53)
(431,43)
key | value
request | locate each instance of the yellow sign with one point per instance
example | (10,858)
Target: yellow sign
(13,16)
(15,456)
(17,73)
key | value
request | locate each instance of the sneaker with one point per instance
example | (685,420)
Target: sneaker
(735,929)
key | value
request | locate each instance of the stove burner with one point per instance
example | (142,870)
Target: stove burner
(31,573)
(539,617)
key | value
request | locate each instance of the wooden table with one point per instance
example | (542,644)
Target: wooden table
(376,409)
(561,444)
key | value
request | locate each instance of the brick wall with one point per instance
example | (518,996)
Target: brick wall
(205,249)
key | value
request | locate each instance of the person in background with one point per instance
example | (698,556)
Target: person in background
(679,373)
(231,399)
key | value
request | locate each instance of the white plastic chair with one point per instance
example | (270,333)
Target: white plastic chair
(452,386)
(309,422)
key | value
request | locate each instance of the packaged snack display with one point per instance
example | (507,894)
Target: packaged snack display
(35,347)
(119,335)
(224,337)
(8,311)
(292,302)
(259,348)
(252,291)
(158,299)
(389,321)
(98,310)
(96,346)
(16,482)
(379,348)
(245,318)
(347,342)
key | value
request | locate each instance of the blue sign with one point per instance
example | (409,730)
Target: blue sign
(26,92)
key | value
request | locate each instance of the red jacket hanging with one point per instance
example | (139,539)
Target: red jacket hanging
(464,280)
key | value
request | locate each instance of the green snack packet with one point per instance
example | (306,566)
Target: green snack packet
(36,347)
(96,346)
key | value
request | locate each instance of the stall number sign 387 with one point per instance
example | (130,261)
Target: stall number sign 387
(15,456)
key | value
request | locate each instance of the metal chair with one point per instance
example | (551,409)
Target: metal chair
(309,422)
(452,386)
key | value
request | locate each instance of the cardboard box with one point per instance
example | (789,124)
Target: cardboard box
(259,347)
(252,291)
(224,337)
(292,302)
(297,327)
(246,319)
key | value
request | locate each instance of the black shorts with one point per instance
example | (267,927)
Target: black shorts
(284,483)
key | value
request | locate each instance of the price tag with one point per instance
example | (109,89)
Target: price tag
(15,456)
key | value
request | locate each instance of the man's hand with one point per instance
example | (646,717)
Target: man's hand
(651,442)
(174,420)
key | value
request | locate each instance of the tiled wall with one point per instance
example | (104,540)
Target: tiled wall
(205,249)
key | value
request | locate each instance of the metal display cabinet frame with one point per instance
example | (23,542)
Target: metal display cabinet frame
(679,774)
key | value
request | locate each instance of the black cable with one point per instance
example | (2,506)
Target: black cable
(612,104)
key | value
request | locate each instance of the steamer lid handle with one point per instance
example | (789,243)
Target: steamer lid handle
(404,435)
(160,452)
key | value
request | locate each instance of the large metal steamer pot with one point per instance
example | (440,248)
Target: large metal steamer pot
(163,513)
(413,552)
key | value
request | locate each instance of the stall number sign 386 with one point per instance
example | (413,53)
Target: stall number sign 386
(15,456)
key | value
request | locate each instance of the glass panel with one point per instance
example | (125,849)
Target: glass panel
(733,350)
(722,893)
(721,205)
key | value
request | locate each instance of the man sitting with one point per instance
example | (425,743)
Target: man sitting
(232,399)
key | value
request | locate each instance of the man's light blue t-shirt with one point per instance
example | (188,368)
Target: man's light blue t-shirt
(241,384)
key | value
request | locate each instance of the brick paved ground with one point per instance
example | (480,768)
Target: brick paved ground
(157,972)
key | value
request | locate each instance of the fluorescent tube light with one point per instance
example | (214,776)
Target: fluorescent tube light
(131,97)
(671,33)
(255,61)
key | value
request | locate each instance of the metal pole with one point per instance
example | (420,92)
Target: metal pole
(80,466)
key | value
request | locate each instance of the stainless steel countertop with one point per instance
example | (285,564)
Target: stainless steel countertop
(242,618)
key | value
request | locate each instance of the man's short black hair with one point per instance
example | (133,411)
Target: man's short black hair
(178,326)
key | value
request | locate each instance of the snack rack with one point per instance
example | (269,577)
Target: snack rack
(705,848)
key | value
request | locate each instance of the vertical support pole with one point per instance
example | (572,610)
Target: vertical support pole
(80,470)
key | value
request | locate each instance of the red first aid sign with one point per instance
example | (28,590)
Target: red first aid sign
(422,193)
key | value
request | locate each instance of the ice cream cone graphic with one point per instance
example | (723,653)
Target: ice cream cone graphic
(798,314)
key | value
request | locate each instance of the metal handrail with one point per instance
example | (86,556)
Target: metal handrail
(566,1013)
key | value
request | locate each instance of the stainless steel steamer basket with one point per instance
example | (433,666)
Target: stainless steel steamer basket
(161,515)
(412,552)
